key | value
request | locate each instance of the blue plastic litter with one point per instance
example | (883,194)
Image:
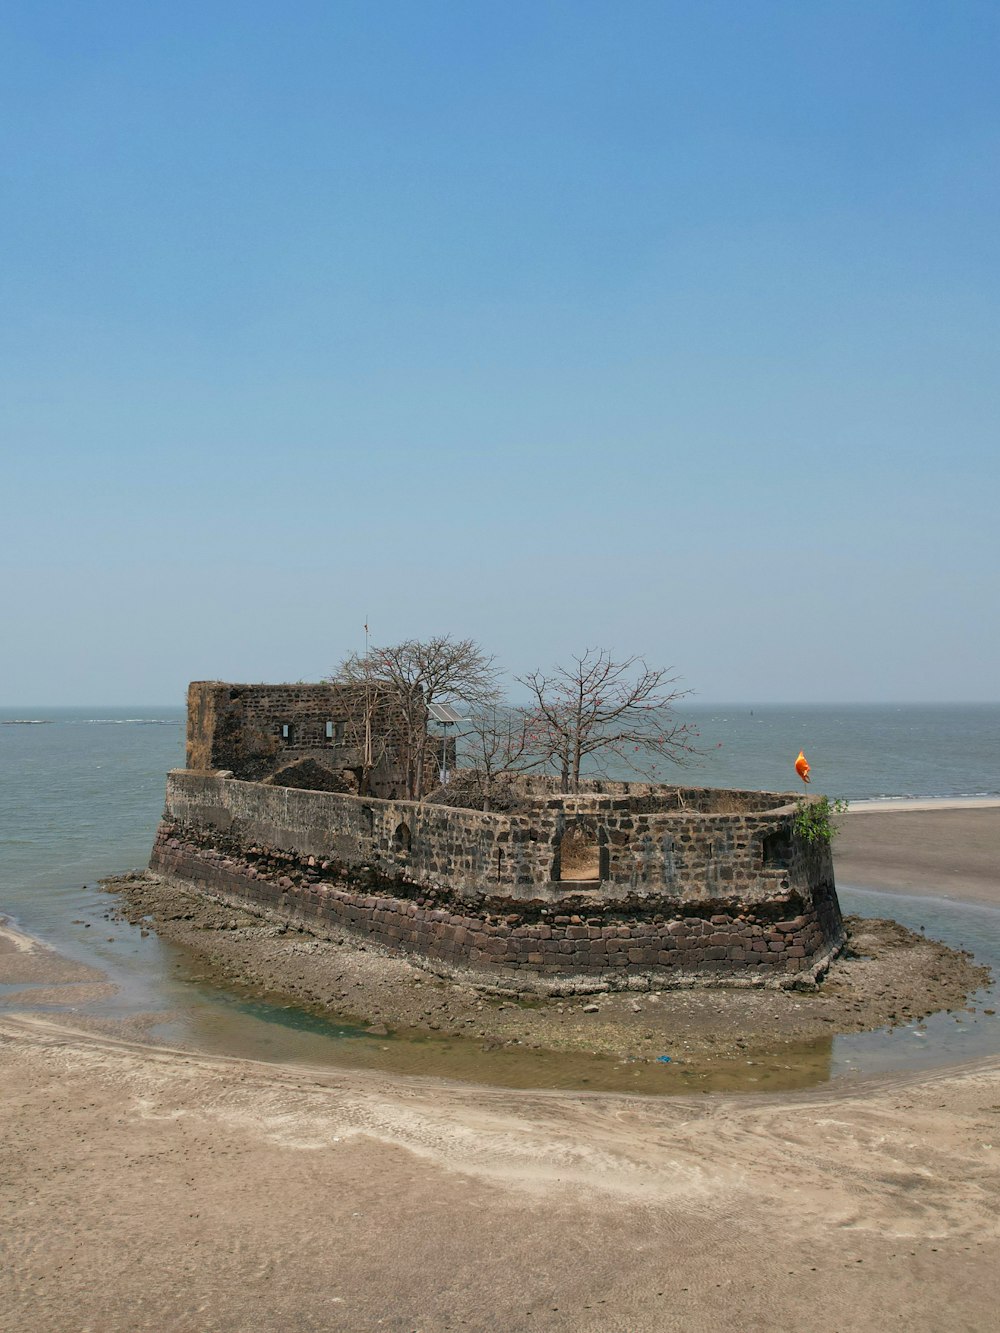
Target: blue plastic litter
(663,1059)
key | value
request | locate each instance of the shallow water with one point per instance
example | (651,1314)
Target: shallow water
(79,798)
(163,989)
(944,1038)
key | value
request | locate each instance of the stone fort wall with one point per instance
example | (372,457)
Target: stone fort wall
(681,882)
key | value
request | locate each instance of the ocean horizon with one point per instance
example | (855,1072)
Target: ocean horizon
(858,752)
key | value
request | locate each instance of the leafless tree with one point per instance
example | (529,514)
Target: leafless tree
(438,670)
(498,740)
(599,707)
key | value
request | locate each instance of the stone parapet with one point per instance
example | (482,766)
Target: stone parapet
(595,951)
(670,892)
(750,854)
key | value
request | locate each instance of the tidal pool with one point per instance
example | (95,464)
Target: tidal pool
(163,995)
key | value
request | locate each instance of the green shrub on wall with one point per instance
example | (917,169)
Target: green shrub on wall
(813,820)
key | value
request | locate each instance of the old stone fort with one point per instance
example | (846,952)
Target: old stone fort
(620,885)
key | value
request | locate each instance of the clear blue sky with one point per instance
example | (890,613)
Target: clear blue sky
(666,327)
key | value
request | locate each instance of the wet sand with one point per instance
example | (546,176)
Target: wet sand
(951,851)
(886,976)
(32,973)
(153,1189)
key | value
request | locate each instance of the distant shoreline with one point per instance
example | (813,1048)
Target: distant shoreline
(910,804)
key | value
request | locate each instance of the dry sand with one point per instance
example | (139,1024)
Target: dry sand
(948,849)
(151,1189)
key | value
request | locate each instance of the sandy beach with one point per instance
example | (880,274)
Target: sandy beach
(951,849)
(147,1188)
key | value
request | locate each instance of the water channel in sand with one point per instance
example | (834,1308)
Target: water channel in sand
(161,991)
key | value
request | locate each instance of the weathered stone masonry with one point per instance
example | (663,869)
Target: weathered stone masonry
(688,883)
(260,732)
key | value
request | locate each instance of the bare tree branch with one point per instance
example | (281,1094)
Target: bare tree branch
(600,706)
(438,670)
(499,740)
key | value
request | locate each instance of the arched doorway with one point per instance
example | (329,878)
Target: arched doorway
(579,854)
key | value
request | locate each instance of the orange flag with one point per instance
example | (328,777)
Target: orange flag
(802,767)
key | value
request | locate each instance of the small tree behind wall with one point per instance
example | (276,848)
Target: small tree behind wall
(419,673)
(498,741)
(601,706)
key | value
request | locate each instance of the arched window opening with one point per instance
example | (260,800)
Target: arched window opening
(579,855)
(777,850)
(401,838)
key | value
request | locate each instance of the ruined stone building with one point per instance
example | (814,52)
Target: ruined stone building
(622,884)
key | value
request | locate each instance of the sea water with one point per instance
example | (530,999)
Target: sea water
(857,751)
(81,791)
